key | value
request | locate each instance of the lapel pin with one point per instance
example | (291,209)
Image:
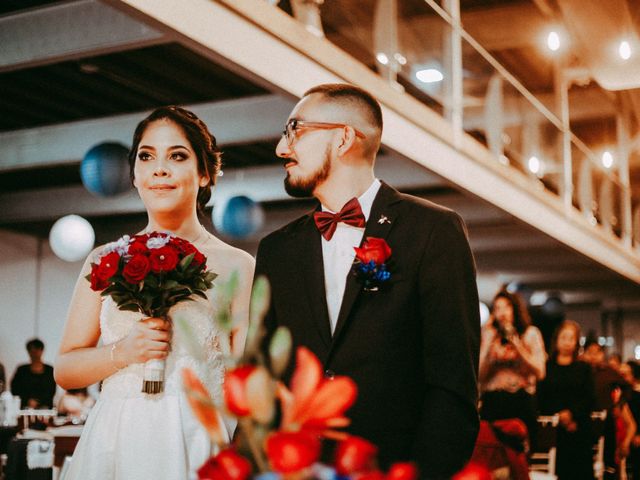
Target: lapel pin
(383,219)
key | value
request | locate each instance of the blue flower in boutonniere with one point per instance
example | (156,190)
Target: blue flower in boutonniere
(370,266)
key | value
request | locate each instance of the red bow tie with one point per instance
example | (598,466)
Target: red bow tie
(351,214)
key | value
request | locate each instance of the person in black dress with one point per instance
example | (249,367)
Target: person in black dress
(568,391)
(34,382)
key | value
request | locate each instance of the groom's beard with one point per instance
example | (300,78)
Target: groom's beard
(304,187)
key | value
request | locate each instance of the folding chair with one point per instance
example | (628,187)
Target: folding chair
(598,426)
(542,462)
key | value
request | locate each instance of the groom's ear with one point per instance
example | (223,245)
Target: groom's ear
(346,140)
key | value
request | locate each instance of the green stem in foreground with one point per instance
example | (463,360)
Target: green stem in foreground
(256,451)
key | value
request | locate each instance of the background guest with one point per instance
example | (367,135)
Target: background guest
(607,383)
(3,379)
(34,382)
(567,390)
(634,406)
(512,360)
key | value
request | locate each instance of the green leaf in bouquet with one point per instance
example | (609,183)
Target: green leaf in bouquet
(210,276)
(169,284)
(200,293)
(186,261)
(151,281)
(280,350)
(261,394)
(130,307)
(189,337)
(259,304)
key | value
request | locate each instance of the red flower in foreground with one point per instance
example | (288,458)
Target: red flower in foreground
(403,471)
(227,465)
(235,390)
(292,451)
(354,455)
(163,259)
(373,249)
(372,475)
(315,403)
(473,471)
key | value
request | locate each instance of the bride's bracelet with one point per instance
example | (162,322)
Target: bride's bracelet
(111,354)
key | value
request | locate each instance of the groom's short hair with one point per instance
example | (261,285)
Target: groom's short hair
(350,94)
(356,98)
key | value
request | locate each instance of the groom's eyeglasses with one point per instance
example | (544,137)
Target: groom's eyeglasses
(292,125)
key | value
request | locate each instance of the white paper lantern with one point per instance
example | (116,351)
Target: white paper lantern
(71,238)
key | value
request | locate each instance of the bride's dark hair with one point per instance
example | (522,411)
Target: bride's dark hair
(202,141)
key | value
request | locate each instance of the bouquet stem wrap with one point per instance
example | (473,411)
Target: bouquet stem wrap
(153,376)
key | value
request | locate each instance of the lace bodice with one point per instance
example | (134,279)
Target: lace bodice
(115,324)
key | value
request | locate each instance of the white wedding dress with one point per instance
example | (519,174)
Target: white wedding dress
(130,435)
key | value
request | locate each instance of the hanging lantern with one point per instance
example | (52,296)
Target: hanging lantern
(71,238)
(238,217)
(105,169)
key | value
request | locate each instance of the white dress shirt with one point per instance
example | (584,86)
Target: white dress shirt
(338,254)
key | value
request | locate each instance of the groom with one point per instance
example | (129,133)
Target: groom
(410,342)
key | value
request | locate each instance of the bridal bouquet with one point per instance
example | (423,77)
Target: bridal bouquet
(150,273)
(311,408)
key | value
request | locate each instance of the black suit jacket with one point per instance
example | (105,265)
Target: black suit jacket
(411,347)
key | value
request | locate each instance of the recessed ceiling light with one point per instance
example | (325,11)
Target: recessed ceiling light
(607,159)
(553,41)
(429,75)
(382,58)
(624,50)
(534,165)
(401,59)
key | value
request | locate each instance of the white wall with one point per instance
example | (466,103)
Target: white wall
(20,320)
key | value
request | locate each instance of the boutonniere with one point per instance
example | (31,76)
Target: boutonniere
(370,265)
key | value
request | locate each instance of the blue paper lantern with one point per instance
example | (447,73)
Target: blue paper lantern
(238,217)
(105,169)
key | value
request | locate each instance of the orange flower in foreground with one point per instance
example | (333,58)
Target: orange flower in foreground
(235,390)
(315,403)
(203,407)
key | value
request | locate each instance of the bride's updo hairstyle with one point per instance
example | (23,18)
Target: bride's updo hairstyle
(201,140)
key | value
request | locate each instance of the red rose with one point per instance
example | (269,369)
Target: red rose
(136,269)
(355,454)
(97,283)
(235,390)
(403,471)
(373,249)
(163,259)
(108,266)
(292,451)
(227,465)
(187,248)
(138,247)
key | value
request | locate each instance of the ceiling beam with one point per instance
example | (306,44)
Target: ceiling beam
(69,31)
(245,120)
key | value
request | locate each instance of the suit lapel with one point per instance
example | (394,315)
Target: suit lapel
(312,270)
(379,224)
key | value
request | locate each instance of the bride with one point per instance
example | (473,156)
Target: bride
(129,434)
